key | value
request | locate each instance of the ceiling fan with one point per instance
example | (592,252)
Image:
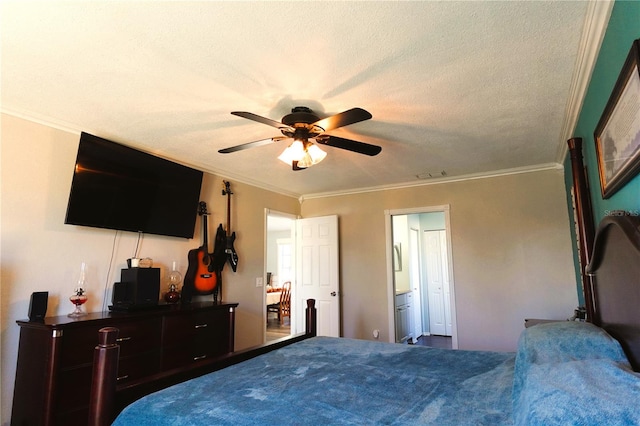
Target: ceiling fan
(303,126)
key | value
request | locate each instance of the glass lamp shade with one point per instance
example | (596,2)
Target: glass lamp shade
(79,298)
(314,155)
(294,152)
(306,154)
(175,279)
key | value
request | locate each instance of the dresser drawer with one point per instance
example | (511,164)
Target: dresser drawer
(177,330)
(138,337)
(137,366)
(185,328)
(190,338)
(74,383)
(73,388)
(134,337)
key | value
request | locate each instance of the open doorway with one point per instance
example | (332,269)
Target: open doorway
(279,273)
(421,288)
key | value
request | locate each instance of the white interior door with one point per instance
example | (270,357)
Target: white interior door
(435,283)
(317,272)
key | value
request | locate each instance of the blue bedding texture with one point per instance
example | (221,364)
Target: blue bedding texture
(337,381)
(564,373)
(573,373)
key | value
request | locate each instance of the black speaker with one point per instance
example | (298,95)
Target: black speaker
(122,295)
(139,288)
(38,305)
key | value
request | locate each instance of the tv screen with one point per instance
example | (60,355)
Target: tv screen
(118,187)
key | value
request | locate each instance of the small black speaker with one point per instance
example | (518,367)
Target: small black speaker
(38,305)
(121,296)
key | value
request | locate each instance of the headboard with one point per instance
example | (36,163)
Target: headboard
(615,271)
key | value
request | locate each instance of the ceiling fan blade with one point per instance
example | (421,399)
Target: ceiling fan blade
(260,119)
(345,118)
(350,145)
(251,145)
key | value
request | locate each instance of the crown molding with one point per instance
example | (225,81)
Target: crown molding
(42,120)
(593,31)
(439,181)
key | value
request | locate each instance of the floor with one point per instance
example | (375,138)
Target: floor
(275,330)
(443,342)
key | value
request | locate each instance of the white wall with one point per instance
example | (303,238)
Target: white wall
(511,249)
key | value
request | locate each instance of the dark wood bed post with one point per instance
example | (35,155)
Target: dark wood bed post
(311,326)
(104,378)
(584,217)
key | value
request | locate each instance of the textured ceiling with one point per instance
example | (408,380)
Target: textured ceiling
(471,88)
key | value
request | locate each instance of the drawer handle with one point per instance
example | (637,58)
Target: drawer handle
(126,376)
(201,325)
(196,358)
(123,339)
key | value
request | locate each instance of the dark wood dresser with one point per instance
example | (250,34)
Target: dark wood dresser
(55,356)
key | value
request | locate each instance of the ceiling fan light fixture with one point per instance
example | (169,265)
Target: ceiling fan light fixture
(305,153)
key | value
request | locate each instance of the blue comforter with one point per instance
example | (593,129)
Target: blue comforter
(341,381)
(564,373)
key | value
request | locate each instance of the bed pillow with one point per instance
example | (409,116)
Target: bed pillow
(563,341)
(584,392)
(567,341)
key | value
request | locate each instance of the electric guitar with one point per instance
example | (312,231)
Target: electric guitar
(232,256)
(200,276)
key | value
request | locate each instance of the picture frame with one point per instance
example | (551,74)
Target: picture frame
(617,135)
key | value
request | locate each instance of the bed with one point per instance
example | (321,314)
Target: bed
(565,373)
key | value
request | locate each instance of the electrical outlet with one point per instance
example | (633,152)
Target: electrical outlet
(376,334)
(259,282)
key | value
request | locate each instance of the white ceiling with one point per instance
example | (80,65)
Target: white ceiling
(471,88)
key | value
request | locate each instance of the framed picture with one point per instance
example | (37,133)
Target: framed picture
(617,135)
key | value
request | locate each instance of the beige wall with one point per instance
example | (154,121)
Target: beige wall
(40,253)
(511,254)
(511,247)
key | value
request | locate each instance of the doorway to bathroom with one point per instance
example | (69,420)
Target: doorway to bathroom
(421,288)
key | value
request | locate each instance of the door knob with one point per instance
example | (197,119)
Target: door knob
(333,293)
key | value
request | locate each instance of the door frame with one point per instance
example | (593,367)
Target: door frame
(389,252)
(418,329)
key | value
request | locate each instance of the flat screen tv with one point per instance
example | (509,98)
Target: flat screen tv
(119,187)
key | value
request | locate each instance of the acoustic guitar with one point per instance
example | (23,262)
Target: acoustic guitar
(230,251)
(201,276)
